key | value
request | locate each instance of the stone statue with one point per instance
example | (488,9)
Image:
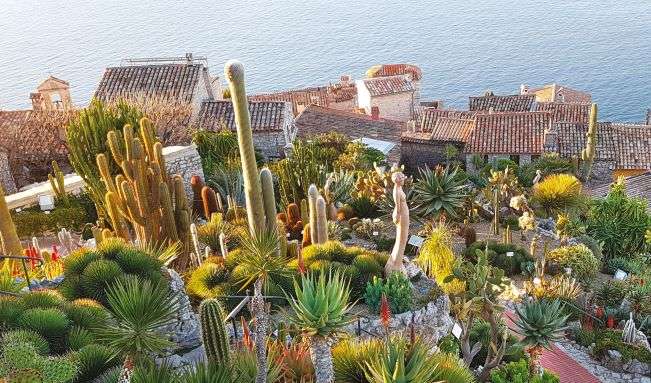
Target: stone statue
(538,177)
(401,220)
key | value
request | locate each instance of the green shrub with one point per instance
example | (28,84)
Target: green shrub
(579,258)
(363,207)
(611,293)
(86,315)
(98,276)
(585,337)
(592,244)
(27,336)
(619,222)
(631,266)
(350,357)
(480,332)
(397,289)
(497,255)
(612,340)
(52,324)
(10,309)
(518,372)
(449,344)
(42,299)
(32,222)
(76,262)
(451,369)
(94,360)
(208,281)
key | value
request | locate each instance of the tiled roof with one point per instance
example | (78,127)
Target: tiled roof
(33,137)
(638,186)
(561,93)
(170,81)
(632,146)
(511,103)
(429,116)
(315,120)
(509,133)
(566,112)
(266,116)
(572,139)
(321,96)
(453,129)
(382,86)
(396,69)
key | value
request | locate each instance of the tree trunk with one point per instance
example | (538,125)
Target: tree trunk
(322,359)
(534,360)
(260,330)
(127,370)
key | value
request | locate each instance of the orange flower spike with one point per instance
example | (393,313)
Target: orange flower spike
(385,312)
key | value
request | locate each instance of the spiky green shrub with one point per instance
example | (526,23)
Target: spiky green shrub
(619,223)
(94,360)
(350,357)
(519,372)
(437,259)
(579,258)
(10,309)
(86,313)
(451,369)
(396,288)
(557,193)
(76,262)
(50,323)
(437,191)
(497,255)
(26,336)
(245,366)
(97,276)
(208,281)
(20,362)
(42,299)
(402,362)
(79,337)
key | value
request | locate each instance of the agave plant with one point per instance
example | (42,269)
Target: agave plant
(540,323)
(401,362)
(320,310)
(438,191)
(140,309)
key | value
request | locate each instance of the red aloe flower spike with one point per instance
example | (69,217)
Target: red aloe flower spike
(385,312)
(301,262)
(246,334)
(55,253)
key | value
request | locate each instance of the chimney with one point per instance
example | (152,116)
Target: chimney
(345,80)
(491,110)
(188,57)
(648,116)
(524,89)
(375,113)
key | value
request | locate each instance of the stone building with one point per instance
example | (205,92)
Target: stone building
(394,97)
(341,96)
(509,103)
(272,123)
(412,72)
(556,93)
(632,149)
(53,94)
(184,80)
(518,136)
(380,133)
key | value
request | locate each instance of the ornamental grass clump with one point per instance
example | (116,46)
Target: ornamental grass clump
(557,193)
(320,310)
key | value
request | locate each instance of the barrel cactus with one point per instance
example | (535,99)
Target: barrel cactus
(213,331)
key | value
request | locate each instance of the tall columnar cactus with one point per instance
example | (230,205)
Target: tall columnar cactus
(58,184)
(195,242)
(590,150)
(213,331)
(234,73)
(305,213)
(629,334)
(321,220)
(197,200)
(506,236)
(312,196)
(496,212)
(8,234)
(222,244)
(143,199)
(210,201)
(268,197)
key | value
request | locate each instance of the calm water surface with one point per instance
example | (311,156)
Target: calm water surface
(463,46)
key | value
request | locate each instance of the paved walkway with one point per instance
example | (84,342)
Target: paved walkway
(556,360)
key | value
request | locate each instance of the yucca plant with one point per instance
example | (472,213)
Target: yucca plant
(401,362)
(320,310)
(350,357)
(140,309)
(557,193)
(540,323)
(439,191)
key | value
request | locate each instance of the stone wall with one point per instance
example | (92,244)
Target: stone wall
(270,144)
(6,179)
(399,107)
(416,155)
(185,161)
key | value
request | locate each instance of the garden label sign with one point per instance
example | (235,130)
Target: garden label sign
(416,240)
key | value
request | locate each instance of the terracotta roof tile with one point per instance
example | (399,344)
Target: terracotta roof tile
(509,133)
(321,96)
(397,69)
(511,103)
(566,112)
(33,137)
(572,139)
(632,146)
(429,116)
(315,120)
(382,86)
(638,186)
(266,116)
(453,129)
(170,81)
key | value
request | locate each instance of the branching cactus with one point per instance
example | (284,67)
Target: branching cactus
(8,234)
(590,150)
(143,200)
(57,183)
(213,331)
(234,73)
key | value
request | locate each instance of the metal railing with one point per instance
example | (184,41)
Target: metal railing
(22,260)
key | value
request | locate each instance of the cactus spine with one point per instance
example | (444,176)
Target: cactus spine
(588,153)
(213,331)
(234,73)
(57,184)
(8,234)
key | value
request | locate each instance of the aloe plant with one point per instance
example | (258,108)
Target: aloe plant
(439,191)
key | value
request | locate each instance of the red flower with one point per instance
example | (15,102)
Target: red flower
(385,312)
(599,312)
(55,254)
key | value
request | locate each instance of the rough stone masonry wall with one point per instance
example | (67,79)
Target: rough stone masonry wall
(6,179)
(416,155)
(271,144)
(184,161)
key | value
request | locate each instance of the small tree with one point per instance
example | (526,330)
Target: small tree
(484,283)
